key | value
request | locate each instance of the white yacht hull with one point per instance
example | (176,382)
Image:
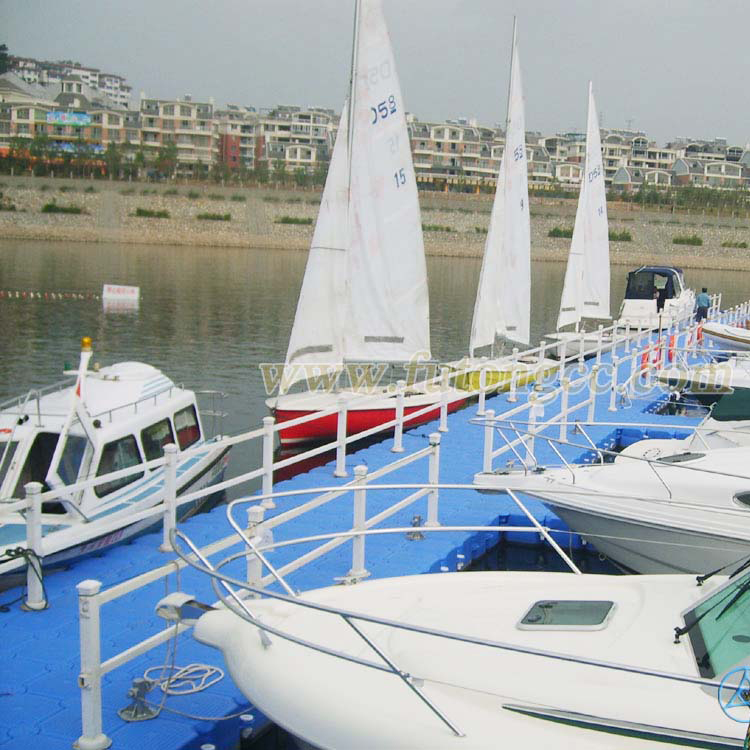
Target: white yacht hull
(726,337)
(488,693)
(646,548)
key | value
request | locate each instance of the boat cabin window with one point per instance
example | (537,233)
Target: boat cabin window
(118,455)
(37,462)
(7,451)
(186,424)
(651,285)
(567,614)
(679,458)
(720,628)
(155,437)
(743,498)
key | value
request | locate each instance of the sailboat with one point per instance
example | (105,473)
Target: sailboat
(503,303)
(364,295)
(587,279)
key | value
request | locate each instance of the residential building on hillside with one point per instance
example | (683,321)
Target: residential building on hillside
(189,125)
(52,74)
(76,111)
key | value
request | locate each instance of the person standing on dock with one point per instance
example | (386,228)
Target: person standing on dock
(702,302)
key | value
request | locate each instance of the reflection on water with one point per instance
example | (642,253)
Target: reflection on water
(209,316)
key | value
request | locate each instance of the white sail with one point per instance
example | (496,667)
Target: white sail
(316,340)
(503,304)
(386,270)
(586,288)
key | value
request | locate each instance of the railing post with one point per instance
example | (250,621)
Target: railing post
(444,391)
(562,350)
(615,342)
(482,391)
(398,431)
(170,495)
(542,351)
(489,433)
(433,477)
(254,567)
(358,569)
(513,375)
(639,340)
(613,387)
(633,370)
(564,408)
(592,392)
(530,457)
(599,335)
(267,485)
(90,678)
(627,337)
(581,348)
(341,438)
(35,599)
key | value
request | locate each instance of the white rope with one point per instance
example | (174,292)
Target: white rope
(185,680)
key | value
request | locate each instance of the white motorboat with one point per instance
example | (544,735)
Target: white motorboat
(364,296)
(726,337)
(655,298)
(726,426)
(708,381)
(495,659)
(685,512)
(586,288)
(103,423)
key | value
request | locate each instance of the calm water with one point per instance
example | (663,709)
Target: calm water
(209,316)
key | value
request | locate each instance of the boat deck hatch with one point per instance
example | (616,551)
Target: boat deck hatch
(567,614)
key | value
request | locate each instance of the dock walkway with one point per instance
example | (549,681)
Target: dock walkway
(40,704)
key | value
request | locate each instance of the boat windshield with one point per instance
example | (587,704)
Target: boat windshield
(7,451)
(720,628)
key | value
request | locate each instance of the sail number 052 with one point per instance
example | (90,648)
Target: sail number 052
(384,109)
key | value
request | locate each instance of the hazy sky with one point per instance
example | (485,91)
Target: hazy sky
(676,68)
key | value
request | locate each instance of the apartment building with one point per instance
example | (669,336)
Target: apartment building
(302,138)
(189,125)
(52,74)
(238,128)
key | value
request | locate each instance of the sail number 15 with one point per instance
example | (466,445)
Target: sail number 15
(400,177)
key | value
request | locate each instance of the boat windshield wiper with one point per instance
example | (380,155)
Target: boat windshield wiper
(702,578)
(741,591)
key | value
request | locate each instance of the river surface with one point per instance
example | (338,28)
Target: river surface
(209,316)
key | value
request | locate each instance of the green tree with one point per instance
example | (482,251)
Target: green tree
(301,178)
(279,171)
(18,153)
(84,156)
(320,173)
(4,59)
(261,171)
(166,159)
(40,150)
(113,159)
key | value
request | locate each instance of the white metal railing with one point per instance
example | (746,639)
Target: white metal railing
(532,363)
(643,360)
(258,534)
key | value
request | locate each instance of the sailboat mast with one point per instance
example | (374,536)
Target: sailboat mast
(352,88)
(510,81)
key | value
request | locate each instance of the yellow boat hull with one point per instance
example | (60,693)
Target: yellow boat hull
(498,377)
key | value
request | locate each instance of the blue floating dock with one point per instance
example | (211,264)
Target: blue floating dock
(39,694)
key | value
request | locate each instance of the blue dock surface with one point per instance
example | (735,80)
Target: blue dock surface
(39,695)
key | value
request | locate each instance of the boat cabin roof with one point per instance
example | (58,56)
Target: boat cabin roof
(134,386)
(663,270)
